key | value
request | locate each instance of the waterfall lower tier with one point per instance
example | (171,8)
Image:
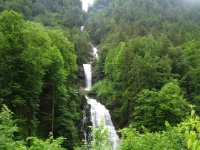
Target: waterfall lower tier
(92,114)
(98,112)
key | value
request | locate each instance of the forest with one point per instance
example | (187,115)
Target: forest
(147,73)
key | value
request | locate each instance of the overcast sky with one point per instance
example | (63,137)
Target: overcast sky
(85,4)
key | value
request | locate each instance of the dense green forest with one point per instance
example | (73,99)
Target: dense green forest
(147,73)
(41,51)
(148,67)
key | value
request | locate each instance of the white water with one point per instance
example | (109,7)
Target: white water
(94,52)
(88,76)
(82,28)
(86,4)
(98,111)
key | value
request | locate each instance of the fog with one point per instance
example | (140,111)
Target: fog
(192,1)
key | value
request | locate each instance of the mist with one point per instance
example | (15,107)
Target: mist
(192,1)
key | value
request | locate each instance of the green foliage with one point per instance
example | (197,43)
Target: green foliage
(153,108)
(50,144)
(183,136)
(190,127)
(66,49)
(81,47)
(37,70)
(191,79)
(7,128)
(104,89)
(51,13)
(130,68)
(100,138)
(16,64)
(142,47)
(170,139)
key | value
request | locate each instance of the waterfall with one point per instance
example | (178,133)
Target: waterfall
(97,110)
(88,76)
(95,55)
(94,52)
(82,28)
(86,4)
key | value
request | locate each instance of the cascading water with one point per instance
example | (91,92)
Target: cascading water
(82,28)
(94,52)
(88,76)
(97,110)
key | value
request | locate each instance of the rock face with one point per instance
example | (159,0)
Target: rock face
(86,122)
(92,94)
(81,75)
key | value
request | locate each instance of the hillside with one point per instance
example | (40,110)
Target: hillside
(148,59)
(147,73)
(42,50)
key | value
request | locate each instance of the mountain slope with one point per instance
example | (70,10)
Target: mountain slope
(145,47)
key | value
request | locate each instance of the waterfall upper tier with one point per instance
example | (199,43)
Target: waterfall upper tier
(88,76)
